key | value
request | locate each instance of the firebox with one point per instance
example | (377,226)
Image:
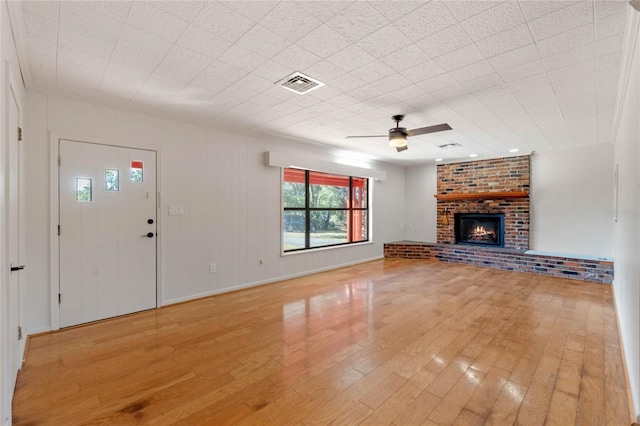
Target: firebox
(479,229)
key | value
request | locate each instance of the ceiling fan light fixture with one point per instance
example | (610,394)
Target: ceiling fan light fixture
(397,138)
(398,135)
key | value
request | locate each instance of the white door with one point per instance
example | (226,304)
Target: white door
(14,238)
(107,231)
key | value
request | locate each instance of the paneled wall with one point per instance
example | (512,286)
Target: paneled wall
(626,285)
(231,201)
(572,200)
(420,221)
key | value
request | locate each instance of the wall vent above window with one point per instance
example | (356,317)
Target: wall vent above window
(299,83)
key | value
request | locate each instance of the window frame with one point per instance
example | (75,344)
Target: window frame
(307,209)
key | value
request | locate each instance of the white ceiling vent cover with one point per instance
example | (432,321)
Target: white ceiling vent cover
(449,145)
(299,83)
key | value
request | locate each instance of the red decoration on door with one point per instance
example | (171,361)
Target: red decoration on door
(135,164)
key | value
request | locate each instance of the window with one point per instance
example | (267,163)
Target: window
(322,209)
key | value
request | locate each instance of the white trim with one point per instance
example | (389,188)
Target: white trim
(54,256)
(299,161)
(324,248)
(38,330)
(22,211)
(54,217)
(6,392)
(267,281)
(16,20)
(628,48)
(10,92)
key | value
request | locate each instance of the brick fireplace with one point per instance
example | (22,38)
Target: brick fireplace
(494,187)
(490,187)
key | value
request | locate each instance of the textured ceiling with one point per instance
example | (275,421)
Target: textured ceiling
(533,75)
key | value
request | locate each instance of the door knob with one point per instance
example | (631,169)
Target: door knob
(148,235)
(150,221)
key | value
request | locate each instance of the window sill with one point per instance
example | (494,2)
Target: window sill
(317,249)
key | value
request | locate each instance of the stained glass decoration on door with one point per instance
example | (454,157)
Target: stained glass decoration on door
(136,171)
(84,193)
(112,180)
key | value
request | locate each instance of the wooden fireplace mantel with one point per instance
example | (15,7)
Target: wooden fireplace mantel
(482,195)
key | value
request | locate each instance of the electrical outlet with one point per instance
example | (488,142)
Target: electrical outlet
(213,268)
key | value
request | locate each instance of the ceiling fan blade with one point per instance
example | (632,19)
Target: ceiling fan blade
(402,148)
(428,129)
(371,136)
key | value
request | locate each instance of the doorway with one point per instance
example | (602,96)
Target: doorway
(107,231)
(16,235)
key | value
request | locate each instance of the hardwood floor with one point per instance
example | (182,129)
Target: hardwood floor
(395,341)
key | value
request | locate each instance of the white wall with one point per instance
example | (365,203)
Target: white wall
(420,217)
(626,284)
(571,200)
(231,201)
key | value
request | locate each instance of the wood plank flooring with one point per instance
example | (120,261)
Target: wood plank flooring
(395,341)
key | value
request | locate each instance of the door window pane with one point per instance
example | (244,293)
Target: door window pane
(112,180)
(84,193)
(136,171)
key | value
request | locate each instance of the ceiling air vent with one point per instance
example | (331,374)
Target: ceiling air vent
(449,145)
(299,83)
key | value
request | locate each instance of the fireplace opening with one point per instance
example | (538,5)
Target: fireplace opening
(479,229)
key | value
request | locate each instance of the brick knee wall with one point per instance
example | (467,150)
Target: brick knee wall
(506,259)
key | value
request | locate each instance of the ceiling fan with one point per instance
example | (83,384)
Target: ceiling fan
(398,135)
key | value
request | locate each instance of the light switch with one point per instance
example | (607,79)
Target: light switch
(176,210)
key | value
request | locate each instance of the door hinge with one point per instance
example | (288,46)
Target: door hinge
(19,333)
(58,230)
(59,160)
(19,133)
(59,298)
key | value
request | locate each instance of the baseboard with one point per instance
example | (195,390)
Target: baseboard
(625,370)
(38,331)
(267,281)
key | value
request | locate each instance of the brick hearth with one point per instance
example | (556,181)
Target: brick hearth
(595,270)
